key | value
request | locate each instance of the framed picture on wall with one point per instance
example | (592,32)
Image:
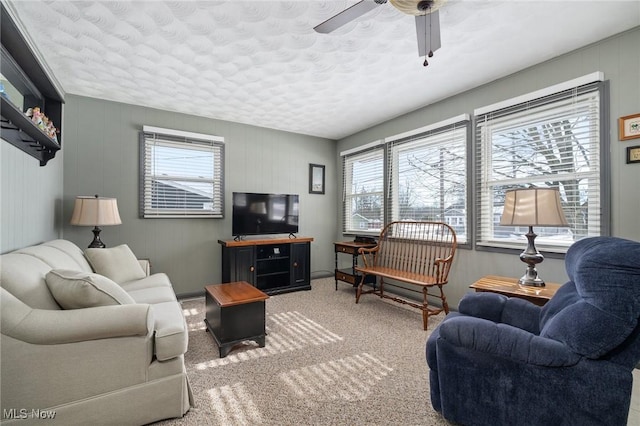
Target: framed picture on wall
(629,127)
(316,179)
(633,154)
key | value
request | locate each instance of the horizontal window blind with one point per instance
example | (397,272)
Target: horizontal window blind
(550,142)
(363,192)
(181,175)
(428,177)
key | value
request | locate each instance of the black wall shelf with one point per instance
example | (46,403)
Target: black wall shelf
(22,69)
(21,132)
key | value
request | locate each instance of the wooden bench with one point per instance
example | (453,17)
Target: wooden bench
(415,253)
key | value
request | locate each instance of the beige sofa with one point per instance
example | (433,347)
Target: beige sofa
(89,348)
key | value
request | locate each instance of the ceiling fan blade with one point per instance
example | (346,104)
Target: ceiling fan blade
(428,40)
(346,16)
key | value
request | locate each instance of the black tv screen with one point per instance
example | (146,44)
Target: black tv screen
(258,214)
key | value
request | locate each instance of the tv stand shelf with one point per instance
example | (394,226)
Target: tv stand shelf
(273,265)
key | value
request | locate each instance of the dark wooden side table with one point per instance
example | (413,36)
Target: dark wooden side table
(349,275)
(235,312)
(510,287)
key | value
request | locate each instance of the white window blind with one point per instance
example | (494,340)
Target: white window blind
(555,141)
(428,177)
(181,174)
(363,194)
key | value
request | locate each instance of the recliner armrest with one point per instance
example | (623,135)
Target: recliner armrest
(502,309)
(506,342)
(484,305)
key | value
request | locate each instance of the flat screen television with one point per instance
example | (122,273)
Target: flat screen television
(259,214)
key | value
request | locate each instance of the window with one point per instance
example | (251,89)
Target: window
(550,141)
(428,177)
(181,174)
(363,177)
(418,175)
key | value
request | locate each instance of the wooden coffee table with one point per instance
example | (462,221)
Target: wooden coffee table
(235,312)
(510,287)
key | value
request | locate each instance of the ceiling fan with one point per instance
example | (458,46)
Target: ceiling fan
(425,11)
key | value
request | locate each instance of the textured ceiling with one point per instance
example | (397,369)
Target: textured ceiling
(261,63)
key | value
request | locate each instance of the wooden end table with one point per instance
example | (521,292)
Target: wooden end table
(350,275)
(510,287)
(235,312)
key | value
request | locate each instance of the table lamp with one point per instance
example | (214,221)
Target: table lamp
(95,211)
(532,207)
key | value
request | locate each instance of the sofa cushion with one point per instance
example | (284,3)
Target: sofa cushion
(73,251)
(52,256)
(153,295)
(76,290)
(23,276)
(117,263)
(156,280)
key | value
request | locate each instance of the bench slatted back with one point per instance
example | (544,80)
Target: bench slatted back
(425,248)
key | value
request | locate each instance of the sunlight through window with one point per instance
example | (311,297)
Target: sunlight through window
(233,405)
(286,331)
(351,379)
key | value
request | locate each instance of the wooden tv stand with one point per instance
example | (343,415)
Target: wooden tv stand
(272,265)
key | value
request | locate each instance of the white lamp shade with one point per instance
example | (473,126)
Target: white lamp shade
(533,207)
(95,211)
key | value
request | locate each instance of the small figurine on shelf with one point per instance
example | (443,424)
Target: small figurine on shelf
(42,122)
(52,131)
(36,116)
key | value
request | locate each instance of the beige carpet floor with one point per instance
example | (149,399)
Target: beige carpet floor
(327,361)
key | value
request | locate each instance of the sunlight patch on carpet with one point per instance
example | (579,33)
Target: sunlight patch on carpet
(232,404)
(190,312)
(301,330)
(286,331)
(351,379)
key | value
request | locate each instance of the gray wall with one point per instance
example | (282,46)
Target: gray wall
(100,153)
(101,157)
(618,58)
(31,207)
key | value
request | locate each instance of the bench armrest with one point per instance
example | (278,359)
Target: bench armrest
(447,259)
(368,254)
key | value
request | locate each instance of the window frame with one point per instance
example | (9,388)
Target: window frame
(555,94)
(151,136)
(384,148)
(370,150)
(426,138)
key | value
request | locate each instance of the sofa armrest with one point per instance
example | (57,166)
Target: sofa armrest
(171,331)
(51,327)
(146,266)
(505,341)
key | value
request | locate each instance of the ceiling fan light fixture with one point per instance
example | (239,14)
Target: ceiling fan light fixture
(424,5)
(413,7)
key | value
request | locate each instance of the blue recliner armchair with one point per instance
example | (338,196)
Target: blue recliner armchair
(505,361)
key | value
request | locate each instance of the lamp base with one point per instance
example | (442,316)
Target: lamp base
(97,242)
(531,256)
(531,280)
